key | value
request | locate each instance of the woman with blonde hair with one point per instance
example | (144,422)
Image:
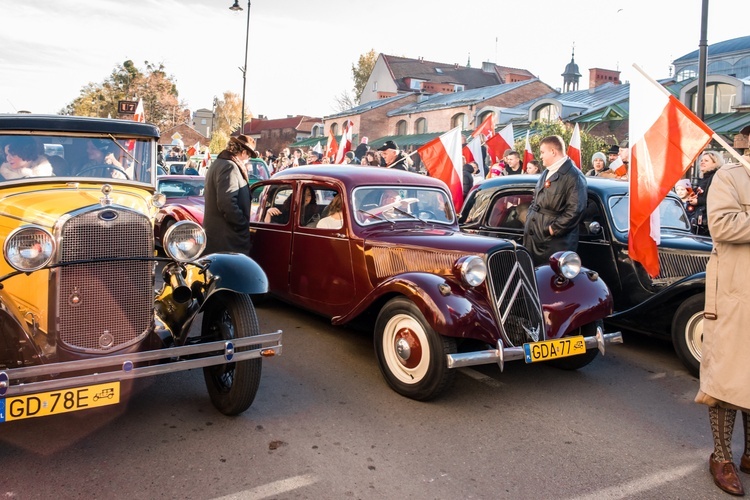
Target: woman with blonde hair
(710,162)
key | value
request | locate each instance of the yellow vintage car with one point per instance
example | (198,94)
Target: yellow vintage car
(80,311)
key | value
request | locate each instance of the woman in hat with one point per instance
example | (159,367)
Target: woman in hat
(598,164)
(227,197)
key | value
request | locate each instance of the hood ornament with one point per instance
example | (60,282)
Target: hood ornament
(105,200)
(533,333)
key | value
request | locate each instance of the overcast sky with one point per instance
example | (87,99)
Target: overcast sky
(301,51)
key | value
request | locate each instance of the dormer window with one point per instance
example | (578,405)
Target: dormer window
(458,88)
(415,83)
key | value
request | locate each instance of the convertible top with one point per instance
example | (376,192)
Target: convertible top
(62,123)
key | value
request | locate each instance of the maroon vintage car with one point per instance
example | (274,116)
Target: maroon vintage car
(184,202)
(383,248)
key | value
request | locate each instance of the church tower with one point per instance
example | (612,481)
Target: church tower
(571,75)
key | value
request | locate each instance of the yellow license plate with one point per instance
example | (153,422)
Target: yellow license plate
(553,349)
(56,402)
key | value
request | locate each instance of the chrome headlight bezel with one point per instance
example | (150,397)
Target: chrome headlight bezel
(567,265)
(472,270)
(17,243)
(185,241)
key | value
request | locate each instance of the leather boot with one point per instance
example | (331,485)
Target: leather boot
(745,464)
(725,476)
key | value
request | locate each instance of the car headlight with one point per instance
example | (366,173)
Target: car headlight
(29,248)
(472,270)
(184,241)
(565,264)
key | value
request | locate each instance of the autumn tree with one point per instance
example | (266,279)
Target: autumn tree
(590,144)
(227,118)
(127,82)
(361,72)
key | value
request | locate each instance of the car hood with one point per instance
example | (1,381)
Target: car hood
(194,205)
(437,240)
(685,242)
(46,203)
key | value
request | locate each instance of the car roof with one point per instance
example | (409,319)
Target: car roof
(601,185)
(63,123)
(353,176)
(174,177)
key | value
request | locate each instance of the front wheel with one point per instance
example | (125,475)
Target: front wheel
(411,355)
(687,332)
(231,386)
(581,360)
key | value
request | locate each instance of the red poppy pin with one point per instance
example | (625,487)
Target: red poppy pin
(547,184)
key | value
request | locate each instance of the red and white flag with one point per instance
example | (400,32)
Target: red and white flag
(346,141)
(485,129)
(473,152)
(193,149)
(500,142)
(139,113)
(332,146)
(442,158)
(528,155)
(665,138)
(574,148)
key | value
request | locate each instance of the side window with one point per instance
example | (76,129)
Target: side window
(274,204)
(322,208)
(509,212)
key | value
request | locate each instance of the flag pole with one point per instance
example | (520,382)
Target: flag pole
(715,136)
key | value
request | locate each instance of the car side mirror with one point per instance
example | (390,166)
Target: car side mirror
(595,227)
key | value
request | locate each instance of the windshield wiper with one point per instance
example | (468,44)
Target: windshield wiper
(374,216)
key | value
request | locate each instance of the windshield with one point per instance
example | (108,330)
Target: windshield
(671,213)
(105,157)
(373,205)
(180,188)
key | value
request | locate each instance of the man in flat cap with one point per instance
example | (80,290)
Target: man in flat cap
(393,157)
(226,219)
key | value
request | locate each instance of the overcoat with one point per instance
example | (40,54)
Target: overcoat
(226,219)
(559,201)
(725,358)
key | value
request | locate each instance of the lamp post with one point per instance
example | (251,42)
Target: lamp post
(236,7)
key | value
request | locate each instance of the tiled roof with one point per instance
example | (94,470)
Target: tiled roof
(367,106)
(299,122)
(715,49)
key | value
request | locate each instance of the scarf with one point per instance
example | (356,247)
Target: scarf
(226,155)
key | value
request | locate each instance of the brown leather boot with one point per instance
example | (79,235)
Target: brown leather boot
(745,464)
(725,476)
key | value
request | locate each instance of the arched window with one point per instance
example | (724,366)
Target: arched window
(720,97)
(458,120)
(686,73)
(548,112)
(335,128)
(420,127)
(401,127)
(483,117)
(742,68)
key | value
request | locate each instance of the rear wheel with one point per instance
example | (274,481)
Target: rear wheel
(687,332)
(411,355)
(581,360)
(231,386)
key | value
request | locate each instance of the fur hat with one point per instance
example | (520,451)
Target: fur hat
(247,143)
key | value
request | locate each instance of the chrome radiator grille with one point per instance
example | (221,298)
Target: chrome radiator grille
(513,284)
(675,266)
(105,305)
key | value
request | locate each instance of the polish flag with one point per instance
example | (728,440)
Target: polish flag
(346,141)
(318,148)
(618,167)
(193,149)
(574,148)
(205,163)
(332,146)
(500,142)
(442,158)
(528,155)
(139,113)
(485,129)
(473,152)
(665,138)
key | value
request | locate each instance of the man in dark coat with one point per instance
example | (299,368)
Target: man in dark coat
(226,219)
(393,156)
(560,198)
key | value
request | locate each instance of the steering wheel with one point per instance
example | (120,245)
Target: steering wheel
(426,214)
(102,167)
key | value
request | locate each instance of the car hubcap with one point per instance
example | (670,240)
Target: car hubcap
(694,335)
(408,348)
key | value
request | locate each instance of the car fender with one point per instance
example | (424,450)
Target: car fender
(449,308)
(677,292)
(571,303)
(233,272)
(13,328)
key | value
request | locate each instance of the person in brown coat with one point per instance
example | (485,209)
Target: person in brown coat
(226,217)
(725,366)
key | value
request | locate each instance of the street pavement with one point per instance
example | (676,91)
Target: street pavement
(325,425)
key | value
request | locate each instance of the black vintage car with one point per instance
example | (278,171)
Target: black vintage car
(670,305)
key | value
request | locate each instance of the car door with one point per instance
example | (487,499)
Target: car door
(321,277)
(271,232)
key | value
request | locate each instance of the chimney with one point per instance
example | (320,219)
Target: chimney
(488,67)
(455,66)
(421,59)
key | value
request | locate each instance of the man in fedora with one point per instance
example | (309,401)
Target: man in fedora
(392,156)
(226,219)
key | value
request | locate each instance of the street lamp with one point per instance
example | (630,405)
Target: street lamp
(236,7)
